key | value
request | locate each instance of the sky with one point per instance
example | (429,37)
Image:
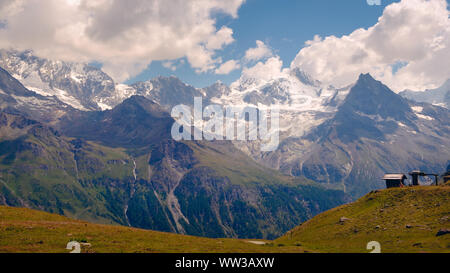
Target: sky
(284,26)
(404,43)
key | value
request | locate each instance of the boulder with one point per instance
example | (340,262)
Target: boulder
(443,231)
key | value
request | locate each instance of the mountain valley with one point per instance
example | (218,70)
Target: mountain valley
(75,143)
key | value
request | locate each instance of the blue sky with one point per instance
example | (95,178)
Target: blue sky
(283,25)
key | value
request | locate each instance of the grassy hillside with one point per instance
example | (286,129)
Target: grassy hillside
(401,220)
(229,162)
(24,230)
(47,172)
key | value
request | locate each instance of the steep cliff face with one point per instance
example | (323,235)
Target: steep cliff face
(15,98)
(254,211)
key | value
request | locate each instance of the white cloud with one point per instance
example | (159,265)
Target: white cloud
(413,32)
(261,51)
(228,67)
(124,35)
(223,37)
(169,65)
(271,69)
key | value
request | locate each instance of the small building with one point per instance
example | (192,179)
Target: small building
(395,180)
(415,177)
(416,174)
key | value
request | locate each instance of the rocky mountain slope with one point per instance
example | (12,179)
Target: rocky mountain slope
(136,122)
(138,176)
(87,87)
(373,132)
(76,84)
(15,98)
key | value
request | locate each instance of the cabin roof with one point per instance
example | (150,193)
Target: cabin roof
(394,176)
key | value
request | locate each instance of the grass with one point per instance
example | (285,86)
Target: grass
(122,169)
(29,231)
(401,220)
(239,167)
(45,174)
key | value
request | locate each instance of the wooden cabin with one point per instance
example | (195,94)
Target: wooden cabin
(395,180)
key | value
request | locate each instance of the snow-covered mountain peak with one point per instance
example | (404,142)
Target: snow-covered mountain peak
(304,101)
(439,96)
(304,77)
(294,90)
(74,83)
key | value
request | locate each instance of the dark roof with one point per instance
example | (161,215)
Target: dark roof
(394,176)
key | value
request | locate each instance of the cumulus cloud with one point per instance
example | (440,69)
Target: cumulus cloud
(414,33)
(223,37)
(261,51)
(228,67)
(252,55)
(124,35)
(271,69)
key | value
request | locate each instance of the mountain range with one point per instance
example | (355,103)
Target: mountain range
(76,143)
(439,96)
(373,132)
(121,166)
